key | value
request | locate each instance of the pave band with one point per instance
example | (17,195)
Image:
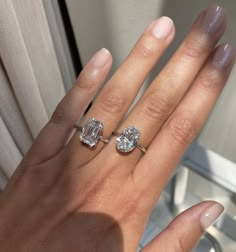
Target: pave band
(127,140)
(91,132)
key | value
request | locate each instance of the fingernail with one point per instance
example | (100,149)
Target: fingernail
(100,58)
(224,56)
(213,19)
(211,215)
(162,27)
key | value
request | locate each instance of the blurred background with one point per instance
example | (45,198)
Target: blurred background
(53,40)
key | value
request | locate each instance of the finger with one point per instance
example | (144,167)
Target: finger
(55,134)
(185,122)
(184,232)
(171,84)
(122,88)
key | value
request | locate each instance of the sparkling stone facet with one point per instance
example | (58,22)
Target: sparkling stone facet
(128,139)
(91,132)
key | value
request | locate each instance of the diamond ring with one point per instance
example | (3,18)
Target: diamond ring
(128,139)
(91,132)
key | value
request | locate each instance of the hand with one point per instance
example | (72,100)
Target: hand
(68,197)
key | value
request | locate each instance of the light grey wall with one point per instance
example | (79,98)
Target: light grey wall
(117,25)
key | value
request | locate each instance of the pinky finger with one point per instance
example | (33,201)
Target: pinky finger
(55,134)
(184,232)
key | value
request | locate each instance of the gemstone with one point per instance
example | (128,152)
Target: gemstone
(128,139)
(91,132)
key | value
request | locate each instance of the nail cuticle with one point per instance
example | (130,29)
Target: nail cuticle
(162,27)
(210,215)
(100,59)
(213,21)
(224,56)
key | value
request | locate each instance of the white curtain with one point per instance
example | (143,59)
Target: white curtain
(31,80)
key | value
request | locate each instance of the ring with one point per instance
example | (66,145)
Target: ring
(128,139)
(91,132)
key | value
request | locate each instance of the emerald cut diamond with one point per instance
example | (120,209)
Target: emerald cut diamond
(128,139)
(91,132)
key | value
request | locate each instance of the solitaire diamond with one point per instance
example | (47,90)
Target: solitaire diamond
(91,132)
(128,139)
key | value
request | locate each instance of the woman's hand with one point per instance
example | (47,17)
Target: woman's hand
(68,198)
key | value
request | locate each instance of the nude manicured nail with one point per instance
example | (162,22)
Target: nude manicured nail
(224,56)
(211,215)
(213,19)
(162,27)
(100,58)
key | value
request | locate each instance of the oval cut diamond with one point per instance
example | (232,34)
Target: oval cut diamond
(91,132)
(128,139)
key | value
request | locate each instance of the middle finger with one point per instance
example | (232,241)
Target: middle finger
(171,84)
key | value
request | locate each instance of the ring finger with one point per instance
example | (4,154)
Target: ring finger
(172,83)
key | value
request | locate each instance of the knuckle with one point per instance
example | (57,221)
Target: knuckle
(112,101)
(179,239)
(130,206)
(194,48)
(59,116)
(145,48)
(179,245)
(181,129)
(36,175)
(157,105)
(85,82)
(209,80)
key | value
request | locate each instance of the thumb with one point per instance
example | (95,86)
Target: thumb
(184,232)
